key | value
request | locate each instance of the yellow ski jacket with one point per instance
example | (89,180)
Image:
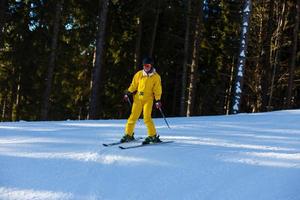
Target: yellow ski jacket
(146,86)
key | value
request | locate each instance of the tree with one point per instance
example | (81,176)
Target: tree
(193,78)
(98,64)
(139,27)
(52,58)
(242,57)
(265,56)
(185,59)
(258,65)
(276,47)
(3,7)
(154,32)
(293,55)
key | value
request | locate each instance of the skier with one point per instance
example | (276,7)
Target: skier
(145,89)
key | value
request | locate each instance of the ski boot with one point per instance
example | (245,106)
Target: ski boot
(152,139)
(127,138)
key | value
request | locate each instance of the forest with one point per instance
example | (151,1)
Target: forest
(74,59)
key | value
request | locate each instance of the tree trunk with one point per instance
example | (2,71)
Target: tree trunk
(16,101)
(137,55)
(139,31)
(154,29)
(229,90)
(3,103)
(96,76)
(266,56)
(242,58)
(293,56)
(3,7)
(193,76)
(194,65)
(175,91)
(276,51)
(256,105)
(185,60)
(50,72)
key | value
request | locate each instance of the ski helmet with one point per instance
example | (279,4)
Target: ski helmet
(148,60)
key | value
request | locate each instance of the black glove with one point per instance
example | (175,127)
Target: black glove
(158,104)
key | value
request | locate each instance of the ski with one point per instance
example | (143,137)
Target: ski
(116,143)
(144,145)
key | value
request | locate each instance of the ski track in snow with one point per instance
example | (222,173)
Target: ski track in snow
(245,156)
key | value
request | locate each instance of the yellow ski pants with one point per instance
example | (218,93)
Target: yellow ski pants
(138,106)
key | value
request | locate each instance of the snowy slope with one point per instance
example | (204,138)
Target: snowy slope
(239,157)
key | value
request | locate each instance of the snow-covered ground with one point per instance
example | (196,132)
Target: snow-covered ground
(237,157)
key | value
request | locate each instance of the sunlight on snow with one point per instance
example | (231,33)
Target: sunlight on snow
(267,163)
(34,140)
(92,124)
(284,156)
(21,140)
(270,159)
(27,194)
(224,143)
(20,128)
(84,157)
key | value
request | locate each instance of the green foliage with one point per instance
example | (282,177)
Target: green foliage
(27,35)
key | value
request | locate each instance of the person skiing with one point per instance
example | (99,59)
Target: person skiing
(145,89)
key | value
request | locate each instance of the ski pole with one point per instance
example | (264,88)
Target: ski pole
(129,102)
(163,115)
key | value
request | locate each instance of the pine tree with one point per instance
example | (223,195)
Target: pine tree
(52,58)
(98,64)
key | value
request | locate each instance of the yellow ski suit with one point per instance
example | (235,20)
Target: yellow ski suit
(146,88)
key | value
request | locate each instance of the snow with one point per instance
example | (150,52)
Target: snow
(236,157)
